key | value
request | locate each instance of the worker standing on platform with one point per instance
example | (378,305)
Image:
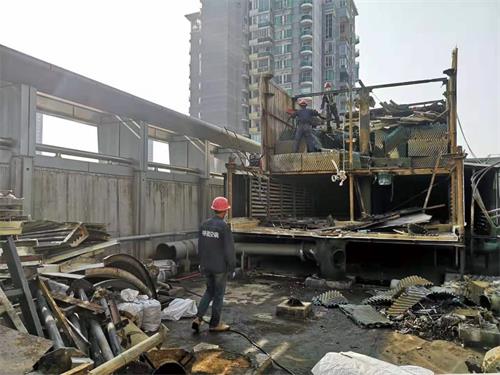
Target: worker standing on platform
(217,261)
(304,126)
(328,104)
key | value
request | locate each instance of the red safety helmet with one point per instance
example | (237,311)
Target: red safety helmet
(327,85)
(302,102)
(220,204)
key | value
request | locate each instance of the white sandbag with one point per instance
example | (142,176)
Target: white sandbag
(151,315)
(129,295)
(134,309)
(351,363)
(179,308)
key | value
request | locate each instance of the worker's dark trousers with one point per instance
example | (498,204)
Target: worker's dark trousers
(216,287)
(304,131)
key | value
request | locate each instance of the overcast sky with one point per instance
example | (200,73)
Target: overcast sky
(143,47)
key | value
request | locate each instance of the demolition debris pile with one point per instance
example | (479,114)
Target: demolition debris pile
(82,312)
(464,311)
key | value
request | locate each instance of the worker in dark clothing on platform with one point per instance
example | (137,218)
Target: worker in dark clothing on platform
(329,104)
(217,261)
(304,126)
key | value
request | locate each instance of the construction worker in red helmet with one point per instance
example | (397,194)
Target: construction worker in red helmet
(305,125)
(330,106)
(217,261)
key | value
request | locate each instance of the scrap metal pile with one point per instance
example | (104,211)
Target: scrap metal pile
(464,311)
(63,313)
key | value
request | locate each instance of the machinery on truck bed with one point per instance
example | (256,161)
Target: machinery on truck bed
(391,176)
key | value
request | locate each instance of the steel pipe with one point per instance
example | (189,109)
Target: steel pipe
(177,250)
(150,236)
(131,354)
(111,329)
(250,248)
(49,321)
(97,333)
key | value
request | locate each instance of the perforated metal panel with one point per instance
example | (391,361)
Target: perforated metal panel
(320,161)
(427,147)
(305,162)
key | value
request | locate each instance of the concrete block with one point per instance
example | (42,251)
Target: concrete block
(294,312)
(486,336)
(313,282)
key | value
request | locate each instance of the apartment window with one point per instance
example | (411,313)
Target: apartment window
(329,47)
(342,28)
(263,5)
(287,48)
(263,18)
(288,33)
(287,63)
(306,76)
(278,64)
(329,75)
(263,63)
(278,20)
(278,4)
(329,25)
(343,3)
(343,50)
(343,62)
(329,61)
(287,78)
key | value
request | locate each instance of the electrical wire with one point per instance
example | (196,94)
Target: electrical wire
(465,138)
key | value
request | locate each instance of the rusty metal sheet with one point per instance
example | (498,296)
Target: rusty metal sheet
(20,351)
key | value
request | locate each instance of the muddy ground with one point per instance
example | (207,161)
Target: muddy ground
(250,305)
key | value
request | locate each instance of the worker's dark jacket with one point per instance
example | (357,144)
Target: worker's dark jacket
(216,247)
(305,116)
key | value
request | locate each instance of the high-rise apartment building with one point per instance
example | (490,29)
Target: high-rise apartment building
(303,43)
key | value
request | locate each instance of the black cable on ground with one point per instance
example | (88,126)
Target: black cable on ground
(262,350)
(258,347)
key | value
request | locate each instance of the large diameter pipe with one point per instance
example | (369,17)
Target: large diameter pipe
(131,354)
(49,321)
(251,248)
(178,250)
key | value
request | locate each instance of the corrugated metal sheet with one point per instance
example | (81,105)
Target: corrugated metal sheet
(332,298)
(409,298)
(365,316)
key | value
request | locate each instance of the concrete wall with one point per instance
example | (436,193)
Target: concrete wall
(74,196)
(4,177)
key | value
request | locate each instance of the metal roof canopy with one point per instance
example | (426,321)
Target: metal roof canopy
(16,67)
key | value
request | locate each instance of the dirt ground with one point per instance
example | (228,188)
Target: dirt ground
(250,307)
